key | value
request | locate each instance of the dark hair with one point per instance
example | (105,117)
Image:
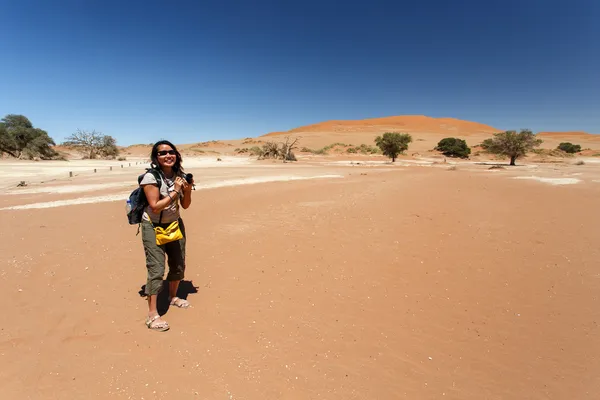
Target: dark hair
(177,168)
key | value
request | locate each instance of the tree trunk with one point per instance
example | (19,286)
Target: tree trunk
(512,160)
(393,159)
(11,153)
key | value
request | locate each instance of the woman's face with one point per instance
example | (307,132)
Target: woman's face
(166,156)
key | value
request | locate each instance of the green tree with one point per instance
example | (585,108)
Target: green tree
(570,148)
(453,147)
(511,144)
(92,144)
(393,143)
(19,139)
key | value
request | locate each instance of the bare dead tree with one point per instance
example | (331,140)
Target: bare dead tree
(279,151)
(287,149)
(92,144)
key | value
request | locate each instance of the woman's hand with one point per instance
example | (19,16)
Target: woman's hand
(187,187)
(187,194)
(179,184)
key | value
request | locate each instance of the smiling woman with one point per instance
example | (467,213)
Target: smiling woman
(163,231)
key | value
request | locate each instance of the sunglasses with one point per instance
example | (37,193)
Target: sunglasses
(165,152)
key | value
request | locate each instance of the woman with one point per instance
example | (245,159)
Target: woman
(162,210)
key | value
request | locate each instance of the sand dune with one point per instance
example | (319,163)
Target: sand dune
(570,135)
(426,132)
(405,123)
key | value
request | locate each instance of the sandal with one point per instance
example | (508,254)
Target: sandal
(181,303)
(160,326)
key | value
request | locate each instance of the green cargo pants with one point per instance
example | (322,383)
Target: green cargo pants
(155,258)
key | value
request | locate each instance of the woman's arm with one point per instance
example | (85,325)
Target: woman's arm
(155,202)
(186,200)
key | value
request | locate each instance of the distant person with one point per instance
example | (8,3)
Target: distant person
(162,214)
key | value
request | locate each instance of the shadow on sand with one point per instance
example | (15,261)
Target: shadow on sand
(162,301)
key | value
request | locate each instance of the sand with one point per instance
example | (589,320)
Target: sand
(369,281)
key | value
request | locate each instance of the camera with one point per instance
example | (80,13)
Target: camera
(188,178)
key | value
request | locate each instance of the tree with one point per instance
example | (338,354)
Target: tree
(287,149)
(569,147)
(108,147)
(511,144)
(453,147)
(282,151)
(393,143)
(19,139)
(92,144)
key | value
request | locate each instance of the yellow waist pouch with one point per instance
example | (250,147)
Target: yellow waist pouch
(168,234)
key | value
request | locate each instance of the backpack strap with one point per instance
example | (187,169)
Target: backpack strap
(157,175)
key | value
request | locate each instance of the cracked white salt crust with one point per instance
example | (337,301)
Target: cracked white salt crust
(123,196)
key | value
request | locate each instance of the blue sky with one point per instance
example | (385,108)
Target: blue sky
(198,70)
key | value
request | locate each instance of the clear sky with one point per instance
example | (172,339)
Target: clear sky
(198,70)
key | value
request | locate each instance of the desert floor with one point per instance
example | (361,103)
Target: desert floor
(322,279)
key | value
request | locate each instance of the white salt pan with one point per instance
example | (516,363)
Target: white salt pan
(123,196)
(551,181)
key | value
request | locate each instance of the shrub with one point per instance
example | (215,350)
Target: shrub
(363,149)
(255,151)
(569,147)
(366,149)
(270,150)
(453,147)
(551,153)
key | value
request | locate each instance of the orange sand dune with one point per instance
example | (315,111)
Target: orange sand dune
(406,123)
(137,149)
(426,132)
(572,134)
